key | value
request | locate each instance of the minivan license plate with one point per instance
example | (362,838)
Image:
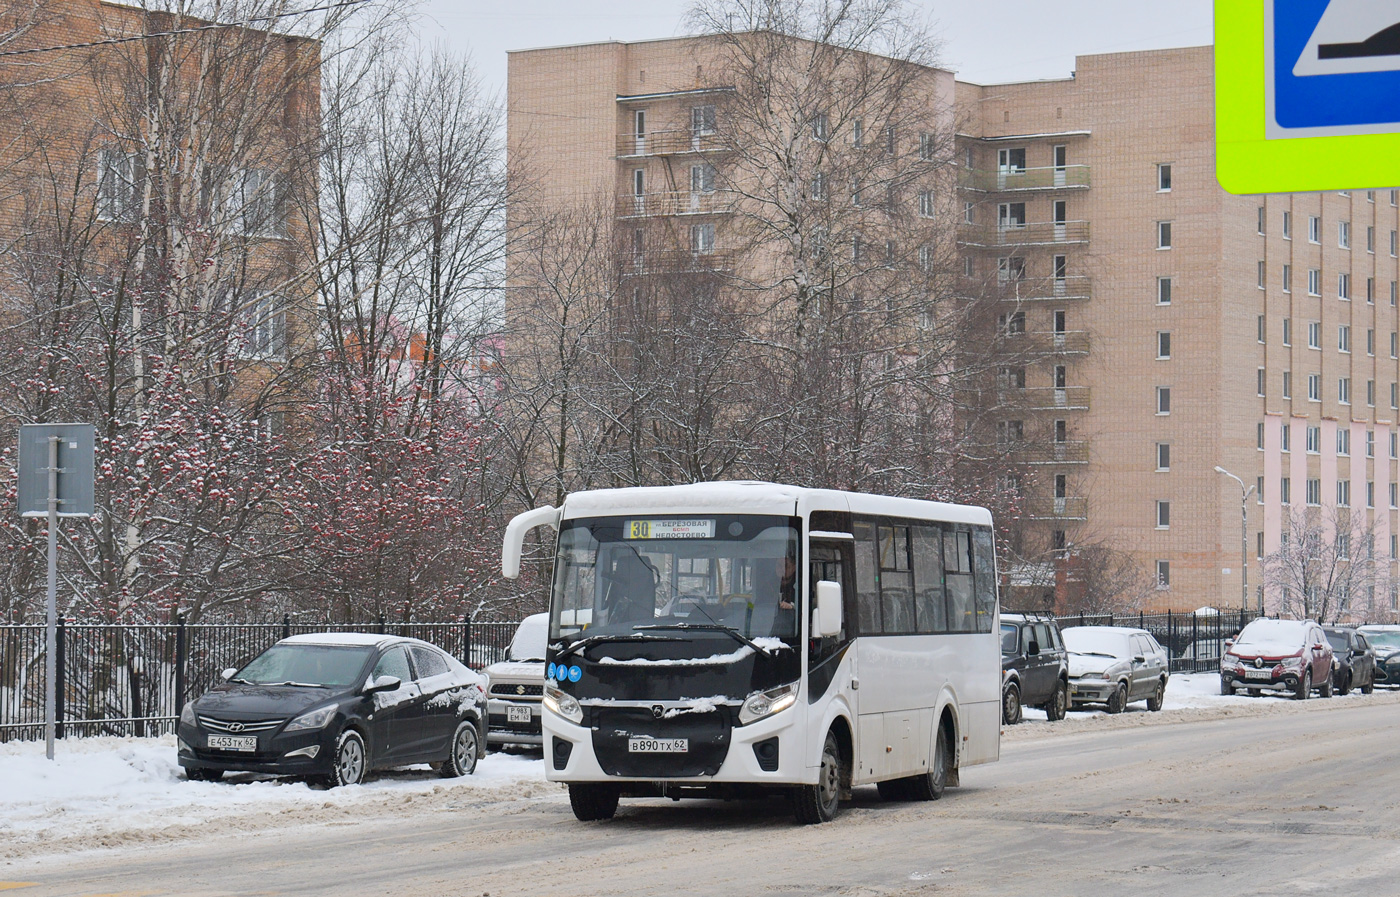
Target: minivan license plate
(247,743)
(642,745)
(517,714)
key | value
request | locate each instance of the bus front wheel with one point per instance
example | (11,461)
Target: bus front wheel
(593,802)
(818,803)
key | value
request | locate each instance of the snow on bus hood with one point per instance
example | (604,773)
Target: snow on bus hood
(768,644)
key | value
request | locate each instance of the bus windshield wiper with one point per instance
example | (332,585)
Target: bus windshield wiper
(709,627)
(582,643)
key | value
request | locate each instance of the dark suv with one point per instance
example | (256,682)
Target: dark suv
(1356,662)
(1034,667)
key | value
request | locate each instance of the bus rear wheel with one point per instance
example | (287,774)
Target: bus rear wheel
(930,785)
(593,802)
(818,803)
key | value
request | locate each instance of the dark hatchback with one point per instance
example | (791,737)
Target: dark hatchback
(1356,662)
(331,707)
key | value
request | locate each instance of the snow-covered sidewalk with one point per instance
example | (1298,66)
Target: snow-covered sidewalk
(98,792)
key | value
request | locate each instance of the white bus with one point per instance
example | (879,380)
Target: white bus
(732,639)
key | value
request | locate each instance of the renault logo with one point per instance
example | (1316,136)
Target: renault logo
(1258,662)
(235,727)
(658,711)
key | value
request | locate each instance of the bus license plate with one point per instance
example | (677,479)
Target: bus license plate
(517,714)
(248,743)
(641,745)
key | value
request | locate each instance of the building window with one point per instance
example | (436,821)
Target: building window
(1344,234)
(821,126)
(1371,393)
(1164,178)
(1259,489)
(1164,574)
(1164,514)
(858,133)
(702,120)
(927,146)
(1287,386)
(1314,440)
(1344,493)
(1288,278)
(1343,441)
(925,258)
(1394,398)
(702,239)
(1344,390)
(1259,546)
(1394,292)
(1394,445)
(969,213)
(263,322)
(819,187)
(1260,329)
(1164,344)
(1285,437)
(1314,496)
(702,179)
(257,195)
(1164,400)
(1344,286)
(1288,331)
(1314,387)
(1164,456)
(1285,491)
(120,184)
(1164,291)
(1288,225)
(1370,443)
(1370,239)
(1394,244)
(1164,235)
(1261,275)
(1259,378)
(1314,281)
(1394,344)
(1259,436)
(1344,338)
(925,203)
(1260,224)
(1370,494)
(1314,334)
(1314,229)
(1370,291)
(1394,502)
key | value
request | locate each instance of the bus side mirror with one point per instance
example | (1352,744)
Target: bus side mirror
(826,620)
(514,542)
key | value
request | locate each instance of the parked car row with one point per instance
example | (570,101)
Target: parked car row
(1043,666)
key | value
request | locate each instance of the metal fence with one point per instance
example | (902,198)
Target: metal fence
(116,679)
(1194,641)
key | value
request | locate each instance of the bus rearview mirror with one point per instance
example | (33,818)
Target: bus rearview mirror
(827,618)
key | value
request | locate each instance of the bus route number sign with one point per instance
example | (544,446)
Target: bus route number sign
(670,529)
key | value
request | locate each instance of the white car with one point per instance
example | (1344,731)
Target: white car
(516,687)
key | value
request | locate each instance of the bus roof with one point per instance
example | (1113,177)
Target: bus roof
(754,497)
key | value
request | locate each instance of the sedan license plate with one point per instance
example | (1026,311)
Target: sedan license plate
(517,714)
(642,745)
(1259,674)
(247,743)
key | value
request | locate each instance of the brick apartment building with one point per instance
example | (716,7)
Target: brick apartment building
(1186,328)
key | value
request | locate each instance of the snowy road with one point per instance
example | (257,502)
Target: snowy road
(1219,797)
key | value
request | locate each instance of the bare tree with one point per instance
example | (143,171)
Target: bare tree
(1326,567)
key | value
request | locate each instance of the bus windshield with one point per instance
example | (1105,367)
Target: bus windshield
(668,576)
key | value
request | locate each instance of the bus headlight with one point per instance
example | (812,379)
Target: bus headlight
(766,703)
(564,705)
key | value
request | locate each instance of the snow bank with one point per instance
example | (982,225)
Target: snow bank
(101,791)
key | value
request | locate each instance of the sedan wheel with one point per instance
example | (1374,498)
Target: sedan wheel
(350,760)
(1370,685)
(1119,699)
(1055,709)
(1304,686)
(461,760)
(1158,696)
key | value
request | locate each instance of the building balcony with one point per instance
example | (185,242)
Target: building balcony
(1070,507)
(668,143)
(1047,289)
(1040,233)
(672,204)
(1011,180)
(679,261)
(1045,398)
(1063,342)
(1074,452)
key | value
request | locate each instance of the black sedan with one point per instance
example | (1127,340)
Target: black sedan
(331,707)
(1356,662)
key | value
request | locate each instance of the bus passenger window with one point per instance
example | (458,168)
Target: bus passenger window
(957,569)
(986,585)
(930,613)
(867,589)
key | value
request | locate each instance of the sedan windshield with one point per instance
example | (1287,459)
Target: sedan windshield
(1338,641)
(1384,638)
(329,666)
(1093,640)
(666,577)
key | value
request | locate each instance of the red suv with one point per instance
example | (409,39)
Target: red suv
(1282,655)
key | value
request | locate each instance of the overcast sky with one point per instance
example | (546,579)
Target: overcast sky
(1008,40)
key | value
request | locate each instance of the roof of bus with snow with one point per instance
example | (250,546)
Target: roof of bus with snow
(752,497)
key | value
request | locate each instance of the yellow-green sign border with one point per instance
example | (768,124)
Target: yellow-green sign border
(1246,162)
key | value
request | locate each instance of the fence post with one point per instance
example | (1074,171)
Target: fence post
(467,640)
(61,683)
(1195,665)
(179,662)
(1140,619)
(286,626)
(381,624)
(133,675)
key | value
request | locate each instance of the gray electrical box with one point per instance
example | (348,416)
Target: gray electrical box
(75,462)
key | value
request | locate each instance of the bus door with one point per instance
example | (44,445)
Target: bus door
(831,560)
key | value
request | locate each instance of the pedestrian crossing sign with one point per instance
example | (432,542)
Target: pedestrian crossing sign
(1307,95)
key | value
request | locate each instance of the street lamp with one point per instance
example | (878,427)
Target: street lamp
(1244,538)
